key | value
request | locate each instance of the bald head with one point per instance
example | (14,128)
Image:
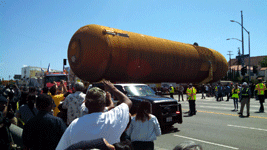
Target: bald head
(79,86)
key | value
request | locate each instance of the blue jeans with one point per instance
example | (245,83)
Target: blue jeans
(235,103)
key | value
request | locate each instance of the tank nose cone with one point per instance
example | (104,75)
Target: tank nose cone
(88,53)
(220,66)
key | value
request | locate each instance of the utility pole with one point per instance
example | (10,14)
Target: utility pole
(230,63)
(239,58)
(242,32)
(242,57)
(230,57)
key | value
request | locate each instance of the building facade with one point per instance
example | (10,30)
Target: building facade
(254,61)
(34,72)
(263,73)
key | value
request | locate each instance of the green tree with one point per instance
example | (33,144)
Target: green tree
(263,63)
(237,77)
(254,81)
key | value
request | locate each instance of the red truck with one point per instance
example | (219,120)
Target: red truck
(50,77)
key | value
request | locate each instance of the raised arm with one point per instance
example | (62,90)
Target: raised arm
(121,97)
(110,103)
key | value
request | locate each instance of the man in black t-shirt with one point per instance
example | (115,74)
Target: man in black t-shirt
(44,130)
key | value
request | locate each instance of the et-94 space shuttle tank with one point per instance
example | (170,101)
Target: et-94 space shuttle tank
(97,52)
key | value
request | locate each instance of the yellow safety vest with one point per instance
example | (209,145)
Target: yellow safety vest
(260,88)
(21,121)
(172,90)
(187,91)
(192,93)
(216,89)
(235,93)
(17,106)
(245,94)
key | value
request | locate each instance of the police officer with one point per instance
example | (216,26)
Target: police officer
(216,92)
(246,94)
(191,92)
(260,87)
(171,91)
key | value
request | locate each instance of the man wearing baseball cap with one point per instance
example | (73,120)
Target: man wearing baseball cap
(246,94)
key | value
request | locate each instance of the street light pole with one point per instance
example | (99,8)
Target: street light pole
(242,35)
(230,64)
(234,39)
(242,27)
(249,75)
(248,51)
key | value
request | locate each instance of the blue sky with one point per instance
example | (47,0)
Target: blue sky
(37,33)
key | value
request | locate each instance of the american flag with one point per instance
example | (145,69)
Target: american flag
(48,69)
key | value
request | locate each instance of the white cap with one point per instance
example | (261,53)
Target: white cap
(245,83)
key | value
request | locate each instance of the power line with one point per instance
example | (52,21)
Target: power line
(230,54)
(230,64)
(230,57)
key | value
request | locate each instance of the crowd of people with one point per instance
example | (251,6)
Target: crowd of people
(60,118)
(57,118)
(240,93)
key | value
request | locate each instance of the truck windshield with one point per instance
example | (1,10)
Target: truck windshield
(51,79)
(139,90)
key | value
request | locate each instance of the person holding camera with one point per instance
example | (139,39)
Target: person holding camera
(58,97)
(5,122)
(8,93)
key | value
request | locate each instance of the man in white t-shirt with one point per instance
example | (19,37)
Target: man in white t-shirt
(97,123)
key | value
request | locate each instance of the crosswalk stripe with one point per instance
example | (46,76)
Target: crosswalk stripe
(226,146)
(252,128)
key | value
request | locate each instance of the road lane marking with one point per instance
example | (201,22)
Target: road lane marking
(246,127)
(224,104)
(226,114)
(225,108)
(158,148)
(206,142)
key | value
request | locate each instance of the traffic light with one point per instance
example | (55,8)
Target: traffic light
(244,70)
(255,69)
(64,62)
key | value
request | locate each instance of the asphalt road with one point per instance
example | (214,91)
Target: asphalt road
(217,127)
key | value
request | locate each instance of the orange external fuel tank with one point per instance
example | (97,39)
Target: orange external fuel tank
(97,52)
